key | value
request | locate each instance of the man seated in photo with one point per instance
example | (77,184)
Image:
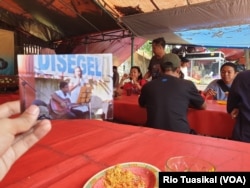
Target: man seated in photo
(61,106)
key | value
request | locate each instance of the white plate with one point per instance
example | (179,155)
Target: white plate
(147,172)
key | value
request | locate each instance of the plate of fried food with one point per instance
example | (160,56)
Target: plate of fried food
(126,175)
(222,102)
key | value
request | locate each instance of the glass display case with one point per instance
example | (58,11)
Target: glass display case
(204,67)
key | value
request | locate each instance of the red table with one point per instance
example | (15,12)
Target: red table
(214,121)
(75,150)
(6,97)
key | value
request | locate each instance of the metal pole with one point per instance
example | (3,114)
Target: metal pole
(86,45)
(247,59)
(132,50)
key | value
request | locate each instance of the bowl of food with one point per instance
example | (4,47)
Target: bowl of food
(130,174)
(188,164)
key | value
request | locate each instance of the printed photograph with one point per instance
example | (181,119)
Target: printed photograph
(67,86)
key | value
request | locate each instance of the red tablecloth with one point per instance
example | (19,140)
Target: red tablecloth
(6,97)
(75,150)
(214,121)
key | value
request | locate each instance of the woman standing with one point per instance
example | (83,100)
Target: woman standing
(75,85)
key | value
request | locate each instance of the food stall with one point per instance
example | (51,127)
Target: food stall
(204,67)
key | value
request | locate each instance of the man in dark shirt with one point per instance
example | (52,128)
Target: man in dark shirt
(168,98)
(238,105)
(158,47)
(116,77)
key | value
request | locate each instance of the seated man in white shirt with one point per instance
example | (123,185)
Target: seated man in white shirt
(61,106)
(184,67)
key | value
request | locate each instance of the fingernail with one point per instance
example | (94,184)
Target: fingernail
(32,109)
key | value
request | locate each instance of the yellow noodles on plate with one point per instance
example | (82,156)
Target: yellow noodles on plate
(118,177)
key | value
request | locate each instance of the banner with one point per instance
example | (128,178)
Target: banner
(6,52)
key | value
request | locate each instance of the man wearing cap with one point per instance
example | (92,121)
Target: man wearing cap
(158,48)
(168,98)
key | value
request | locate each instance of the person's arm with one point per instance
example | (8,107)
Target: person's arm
(147,75)
(119,88)
(210,92)
(73,85)
(137,85)
(140,83)
(203,106)
(234,113)
(142,98)
(59,100)
(196,100)
(234,98)
(18,135)
(143,82)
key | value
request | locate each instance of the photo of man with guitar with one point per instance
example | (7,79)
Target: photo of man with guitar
(67,86)
(61,106)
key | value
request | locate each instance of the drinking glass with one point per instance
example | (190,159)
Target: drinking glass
(188,164)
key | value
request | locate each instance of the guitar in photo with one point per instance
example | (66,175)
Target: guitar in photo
(61,106)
